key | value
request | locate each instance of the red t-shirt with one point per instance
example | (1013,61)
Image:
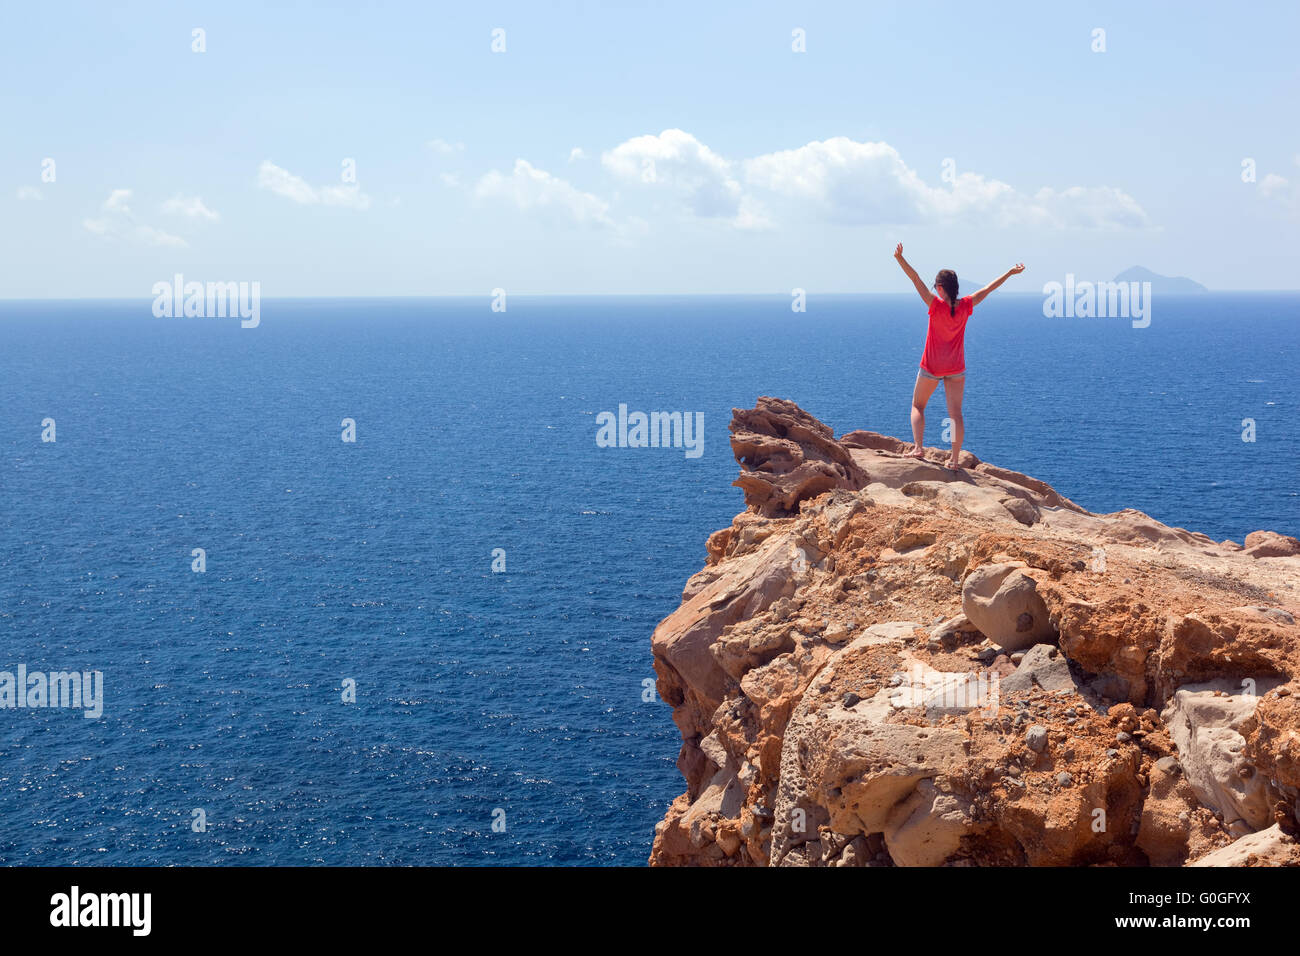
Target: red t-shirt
(944,342)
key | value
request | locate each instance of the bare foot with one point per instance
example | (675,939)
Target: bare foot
(952,463)
(916,452)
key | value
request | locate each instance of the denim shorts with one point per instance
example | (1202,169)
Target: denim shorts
(941,378)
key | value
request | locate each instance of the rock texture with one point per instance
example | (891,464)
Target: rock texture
(888,663)
(787,456)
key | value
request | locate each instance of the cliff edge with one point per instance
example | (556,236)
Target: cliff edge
(888,663)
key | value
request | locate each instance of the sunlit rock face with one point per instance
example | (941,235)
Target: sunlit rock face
(885,662)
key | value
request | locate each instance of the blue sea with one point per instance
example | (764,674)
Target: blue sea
(513,697)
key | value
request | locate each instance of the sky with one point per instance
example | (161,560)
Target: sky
(387,149)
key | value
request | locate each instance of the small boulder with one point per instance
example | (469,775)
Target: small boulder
(1003,602)
(1206,721)
(1270,544)
(953,630)
(1168,765)
(1036,738)
(1271,847)
(1021,509)
(1042,666)
(1276,614)
(835,633)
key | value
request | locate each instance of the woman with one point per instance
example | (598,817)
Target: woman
(944,359)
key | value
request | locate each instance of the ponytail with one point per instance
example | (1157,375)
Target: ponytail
(947,280)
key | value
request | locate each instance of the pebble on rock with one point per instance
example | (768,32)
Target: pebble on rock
(1036,738)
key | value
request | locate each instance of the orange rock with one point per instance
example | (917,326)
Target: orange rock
(1270,544)
(833,713)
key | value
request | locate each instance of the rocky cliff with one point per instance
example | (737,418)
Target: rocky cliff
(888,663)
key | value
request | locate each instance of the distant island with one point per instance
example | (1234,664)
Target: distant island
(1159,283)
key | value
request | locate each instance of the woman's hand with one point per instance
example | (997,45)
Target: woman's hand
(982,294)
(926,295)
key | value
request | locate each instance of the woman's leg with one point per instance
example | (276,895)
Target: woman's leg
(920,395)
(953,388)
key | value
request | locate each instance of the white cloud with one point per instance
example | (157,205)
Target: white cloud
(1078,207)
(116,202)
(843,181)
(450,179)
(679,161)
(26,193)
(534,190)
(191,207)
(576,154)
(350,196)
(751,214)
(286,184)
(136,231)
(1280,190)
(118,223)
(1273,184)
(157,237)
(855,183)
(444,147)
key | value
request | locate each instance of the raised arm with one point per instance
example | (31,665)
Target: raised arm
(979,296)
(926,295)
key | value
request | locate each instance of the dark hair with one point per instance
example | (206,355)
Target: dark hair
(947,280)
